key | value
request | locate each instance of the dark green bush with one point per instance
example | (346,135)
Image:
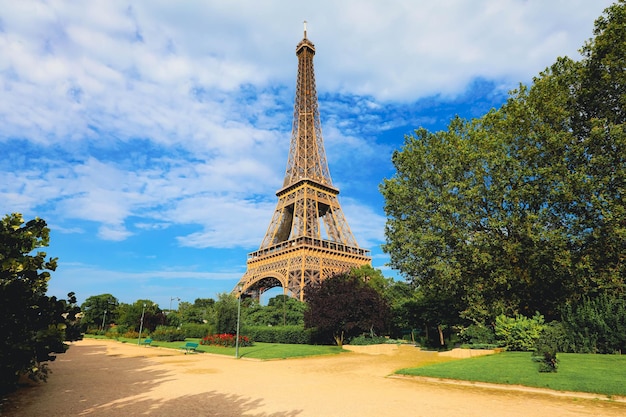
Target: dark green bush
(477,334)
(597,325)
(367,339)
(279,334)
(549,343)
(167,334)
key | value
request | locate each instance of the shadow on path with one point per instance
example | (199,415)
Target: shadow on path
(88,382)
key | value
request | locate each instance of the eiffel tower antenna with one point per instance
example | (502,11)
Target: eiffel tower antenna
(308,239)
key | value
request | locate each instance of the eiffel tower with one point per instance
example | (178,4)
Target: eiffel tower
(308,239)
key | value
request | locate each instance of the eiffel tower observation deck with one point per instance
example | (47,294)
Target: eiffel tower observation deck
(308,239)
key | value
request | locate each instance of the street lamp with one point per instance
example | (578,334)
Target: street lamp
(106,310)
(143,311)
(172,299)
(239,290)
(104,316)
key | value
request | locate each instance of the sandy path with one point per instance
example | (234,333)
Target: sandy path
(105,378)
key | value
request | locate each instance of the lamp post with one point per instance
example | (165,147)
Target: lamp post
(143,311)
(239,289)
(104,316)
(172,299)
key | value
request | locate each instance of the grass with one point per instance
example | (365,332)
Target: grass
(263,351)
(599,374)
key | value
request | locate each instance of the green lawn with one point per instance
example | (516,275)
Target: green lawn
(600,374)
(264,351)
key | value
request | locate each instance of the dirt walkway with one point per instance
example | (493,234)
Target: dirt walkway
(105,378)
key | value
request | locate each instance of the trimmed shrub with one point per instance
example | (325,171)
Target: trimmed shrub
(197,330)
(167,334)
(280,334)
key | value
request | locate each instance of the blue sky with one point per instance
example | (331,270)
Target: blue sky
(152,135)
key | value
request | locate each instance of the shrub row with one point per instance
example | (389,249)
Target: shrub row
(365,340)
(168,334)
(197,330)
(280,334)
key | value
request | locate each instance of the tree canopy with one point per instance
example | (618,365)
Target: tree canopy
(345,306)
(33,326)
(521,210)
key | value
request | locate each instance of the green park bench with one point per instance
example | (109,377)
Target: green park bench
(189,347)
(146,342)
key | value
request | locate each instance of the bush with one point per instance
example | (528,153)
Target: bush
(197,330)
(477,334)
(519,332)
(597,325)
(280,334)
(167,334)
(132,334)
(547,346)
(366,339)
(225,340)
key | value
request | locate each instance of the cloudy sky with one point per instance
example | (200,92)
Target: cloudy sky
(152,135)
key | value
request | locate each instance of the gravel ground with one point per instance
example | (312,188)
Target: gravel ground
(106,378)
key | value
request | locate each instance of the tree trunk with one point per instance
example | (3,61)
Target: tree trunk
(441,341)
(339,339)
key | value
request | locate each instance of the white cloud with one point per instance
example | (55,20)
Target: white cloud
(179,113)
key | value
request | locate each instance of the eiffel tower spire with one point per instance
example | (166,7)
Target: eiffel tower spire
(308,239)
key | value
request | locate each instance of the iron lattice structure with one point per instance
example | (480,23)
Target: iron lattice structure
(308,239)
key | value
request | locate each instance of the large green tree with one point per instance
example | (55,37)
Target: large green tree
(99,311)
(521,210)
(130,315)
(33,326)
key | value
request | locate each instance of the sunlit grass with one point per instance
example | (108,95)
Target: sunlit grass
(600,374)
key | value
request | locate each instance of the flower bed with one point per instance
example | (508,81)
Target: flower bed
(225,339)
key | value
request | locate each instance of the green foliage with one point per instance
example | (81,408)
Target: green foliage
(167,334)
(226,314)
(197,330)
(477,334)
(344,306)
(366,340)
(33,326)
(597,325)
(202,311)
(519,332)
(435,315)
(129,315)
(281,310)
(99,311)
(279,334)
(547,346)
(521,210)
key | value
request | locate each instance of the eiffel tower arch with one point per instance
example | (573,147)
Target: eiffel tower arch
(308,239)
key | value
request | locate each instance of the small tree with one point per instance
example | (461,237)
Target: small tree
(344,306)
(226,313)
(33,326)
